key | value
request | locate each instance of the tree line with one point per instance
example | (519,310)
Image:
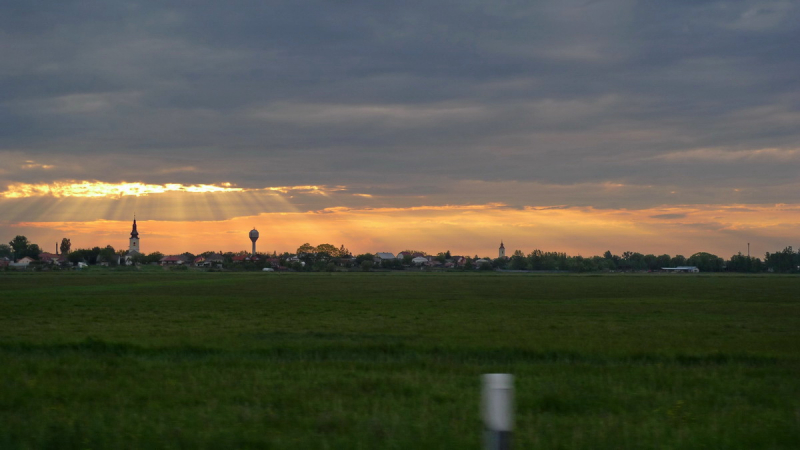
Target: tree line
(329,257)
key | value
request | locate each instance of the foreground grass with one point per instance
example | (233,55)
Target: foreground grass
(209,360)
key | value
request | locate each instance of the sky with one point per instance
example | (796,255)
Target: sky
(560,125)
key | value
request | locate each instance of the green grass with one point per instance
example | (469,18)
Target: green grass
(107,359)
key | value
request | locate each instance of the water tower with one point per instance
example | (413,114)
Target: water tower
(254,238)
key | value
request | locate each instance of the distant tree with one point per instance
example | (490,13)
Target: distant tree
(6,250)
(20,245)
(650,262)
(305,248)
(32,251)
(319,266)
(743,263)
(138,258)
(76,256)
(783,261)
(636,261)
(612,261)
(65,246)
(518,261)
(441,257)
(84,255)
(706,262)
(365,257)
(153,257)
(366,265)
(108,254)
(677,260)
(22,248)
(327,251)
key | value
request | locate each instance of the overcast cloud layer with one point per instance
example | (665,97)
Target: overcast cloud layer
(456,102)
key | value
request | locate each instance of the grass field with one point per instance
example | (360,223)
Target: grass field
(390,360)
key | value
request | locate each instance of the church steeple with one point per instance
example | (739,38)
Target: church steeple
(134,233)
(133,246)
(502,251)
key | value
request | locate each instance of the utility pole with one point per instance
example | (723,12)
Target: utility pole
(748,250)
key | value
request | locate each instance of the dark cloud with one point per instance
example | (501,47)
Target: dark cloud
(408,97)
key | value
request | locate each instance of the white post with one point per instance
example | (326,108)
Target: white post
(497,410)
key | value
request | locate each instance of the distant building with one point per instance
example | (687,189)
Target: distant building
(684,269)
(214,258)
(383,256)
(133,245)
(479,262)
(208,261)
(172,260)
(22,263)
(419,260)
(52,258)
(245,258)
(502,251)
(273,262)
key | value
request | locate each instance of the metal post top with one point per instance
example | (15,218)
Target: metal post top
(498,380)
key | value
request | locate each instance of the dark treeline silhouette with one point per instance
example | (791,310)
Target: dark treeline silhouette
(786,261)
(327,257)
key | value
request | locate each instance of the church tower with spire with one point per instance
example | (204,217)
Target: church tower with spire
(502,251)
(134,240)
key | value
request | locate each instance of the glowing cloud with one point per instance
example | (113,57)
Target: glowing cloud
(29,165)
(98,189)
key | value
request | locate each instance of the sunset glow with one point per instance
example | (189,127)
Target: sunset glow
(467,229)
(568,126)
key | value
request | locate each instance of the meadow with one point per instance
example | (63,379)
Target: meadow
(106,359)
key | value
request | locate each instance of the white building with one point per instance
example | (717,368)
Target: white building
(684,269)
(384,256)
(419,260)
